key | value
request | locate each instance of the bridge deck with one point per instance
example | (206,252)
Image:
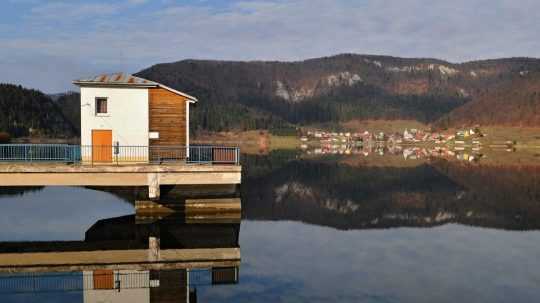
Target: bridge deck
(118,259)
(20,174)
(57,174)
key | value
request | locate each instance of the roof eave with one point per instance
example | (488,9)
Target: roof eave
(190,98)
(141,85)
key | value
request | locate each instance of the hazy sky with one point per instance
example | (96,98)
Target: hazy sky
(46,44)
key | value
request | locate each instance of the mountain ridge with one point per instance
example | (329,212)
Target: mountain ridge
(331,90)
(337,88)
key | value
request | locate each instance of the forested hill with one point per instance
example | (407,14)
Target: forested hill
(25,112)
(335,89)
(280,95)
(514,102)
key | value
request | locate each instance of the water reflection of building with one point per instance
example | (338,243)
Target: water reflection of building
(163,259)
(154,286)
(405,151)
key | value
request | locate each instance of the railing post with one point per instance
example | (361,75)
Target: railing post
(117,282)
(116,151)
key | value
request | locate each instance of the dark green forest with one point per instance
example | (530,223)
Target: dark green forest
(337,106)
(28,112)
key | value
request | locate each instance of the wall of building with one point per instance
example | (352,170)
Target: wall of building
(168,117)
(134,287)
(127,115)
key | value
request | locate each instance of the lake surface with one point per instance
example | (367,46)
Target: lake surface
(324,229)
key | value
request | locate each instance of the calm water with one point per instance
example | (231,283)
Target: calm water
(334,229)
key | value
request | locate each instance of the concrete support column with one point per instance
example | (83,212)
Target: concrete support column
(153,186)
(153,249)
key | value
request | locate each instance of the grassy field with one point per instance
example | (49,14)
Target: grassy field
(284,142)
(386,126)
(527,156)
(251,142)
(525,137)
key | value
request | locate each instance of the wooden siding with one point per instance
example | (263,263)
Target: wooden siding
(172,286)
(167,116)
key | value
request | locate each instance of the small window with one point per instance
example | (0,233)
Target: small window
(101,105)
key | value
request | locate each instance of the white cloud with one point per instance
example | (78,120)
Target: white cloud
(137,2)
(276,30)
(59,11)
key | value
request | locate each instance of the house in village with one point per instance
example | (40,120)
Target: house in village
(120,111)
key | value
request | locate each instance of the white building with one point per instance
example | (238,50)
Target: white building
(124,110)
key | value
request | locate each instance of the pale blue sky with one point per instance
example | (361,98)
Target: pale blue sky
(46,44)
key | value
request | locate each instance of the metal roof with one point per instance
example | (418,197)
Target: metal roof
(123,79)
(117,78)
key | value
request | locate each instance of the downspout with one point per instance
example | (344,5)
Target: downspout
(187,129)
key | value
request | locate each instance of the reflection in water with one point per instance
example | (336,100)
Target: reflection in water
(18,190)
(55,213)
(161,254)
(479,240)
(407,152)
(350,196)
(125,285)
(450,263)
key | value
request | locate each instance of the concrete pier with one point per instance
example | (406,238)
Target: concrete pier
(137,259)
(200,211)
(122,175)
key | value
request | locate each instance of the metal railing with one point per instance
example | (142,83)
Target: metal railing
(118,154)
(37,152)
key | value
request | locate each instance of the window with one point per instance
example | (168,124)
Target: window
(101,105)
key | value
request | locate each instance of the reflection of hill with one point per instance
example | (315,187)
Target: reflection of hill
(259,165)
(387,160)
(512,191)
(123,233)
(18,190)
(348,197)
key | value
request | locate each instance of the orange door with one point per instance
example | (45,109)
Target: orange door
(103,279)
(102,145)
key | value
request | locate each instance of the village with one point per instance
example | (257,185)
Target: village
(462,144)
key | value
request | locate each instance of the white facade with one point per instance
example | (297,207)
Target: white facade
(127,114)
(134,288)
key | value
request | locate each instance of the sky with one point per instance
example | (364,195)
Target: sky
(47,44)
